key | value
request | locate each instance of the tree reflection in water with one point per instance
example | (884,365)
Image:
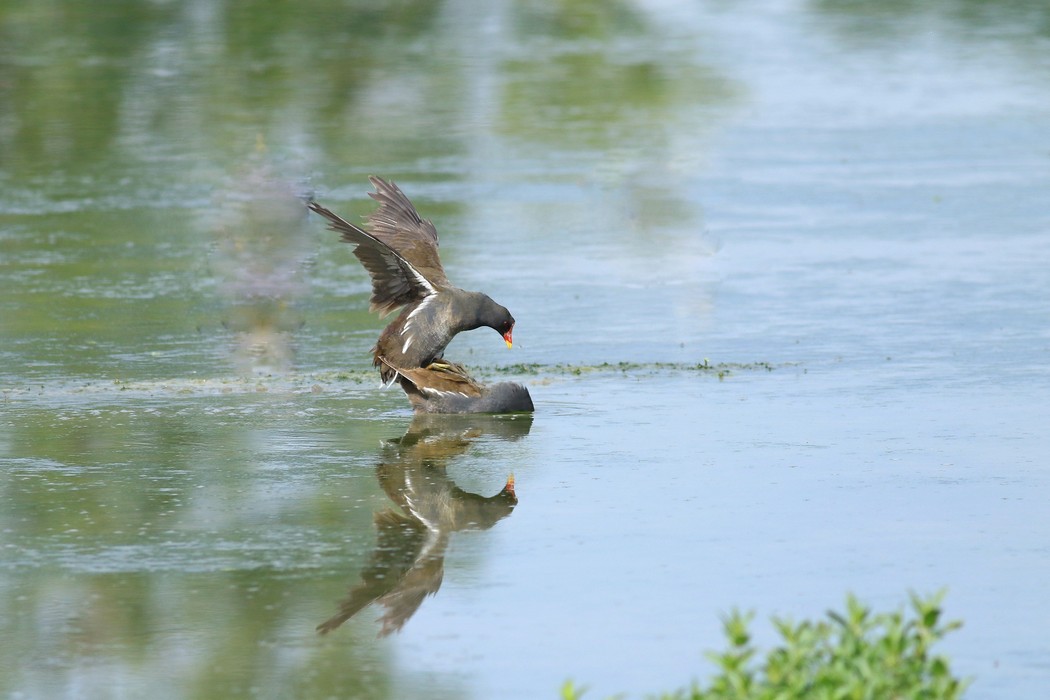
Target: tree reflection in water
(408,562)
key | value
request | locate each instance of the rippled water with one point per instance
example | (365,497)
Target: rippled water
(780,275)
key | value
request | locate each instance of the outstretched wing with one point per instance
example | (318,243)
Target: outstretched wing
(395,280)
(397,224)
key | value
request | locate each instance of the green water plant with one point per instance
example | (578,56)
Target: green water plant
(720,370)
(854,655)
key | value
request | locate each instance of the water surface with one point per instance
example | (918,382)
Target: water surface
(780,278)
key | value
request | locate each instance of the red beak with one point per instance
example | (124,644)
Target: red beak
(507,338)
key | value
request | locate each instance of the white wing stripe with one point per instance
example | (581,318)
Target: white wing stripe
(426,300)
(439,392)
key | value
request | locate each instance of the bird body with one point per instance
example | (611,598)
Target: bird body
(424,328)
(446,387)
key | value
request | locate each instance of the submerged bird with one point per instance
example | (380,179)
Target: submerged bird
(400,252)
(445,387)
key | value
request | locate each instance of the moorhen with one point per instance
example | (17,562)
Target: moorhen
(445,387)
(400,252)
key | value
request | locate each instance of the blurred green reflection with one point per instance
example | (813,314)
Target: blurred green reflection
(198,542)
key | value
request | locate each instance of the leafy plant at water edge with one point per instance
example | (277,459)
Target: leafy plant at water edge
(857,655)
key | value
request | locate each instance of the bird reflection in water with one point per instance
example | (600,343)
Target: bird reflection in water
(259,262)
(408,562)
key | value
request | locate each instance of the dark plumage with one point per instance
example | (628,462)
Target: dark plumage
(400,252)
(445,387)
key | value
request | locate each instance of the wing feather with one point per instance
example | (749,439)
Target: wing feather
(439,378)
(397,223)
(395,280)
